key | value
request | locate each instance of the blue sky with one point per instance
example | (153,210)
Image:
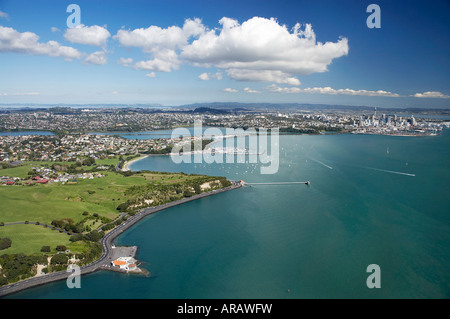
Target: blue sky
(179,52)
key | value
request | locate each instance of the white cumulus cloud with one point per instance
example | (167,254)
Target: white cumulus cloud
(262,76)
(161,43)
(98,57)
(93,35)
(125,61)
(230,90)
(28,43)
(164,61)
(328,90)
(261,49)
(249,90)
(432,94)
(154,38)
(208,76)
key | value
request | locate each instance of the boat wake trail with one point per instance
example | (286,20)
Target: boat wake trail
(387,171)
(278,183)
(327,166)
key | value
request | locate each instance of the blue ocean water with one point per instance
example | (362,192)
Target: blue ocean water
(372,200)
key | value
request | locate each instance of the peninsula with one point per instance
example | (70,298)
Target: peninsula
(56,213)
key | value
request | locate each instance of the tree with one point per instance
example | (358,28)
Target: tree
(3,281)
(188,193)
(76,237)
(5,243)
(122,207)
(94,236)
(59,259)
(45,249)
(89,161)
(197,188)
(61,248)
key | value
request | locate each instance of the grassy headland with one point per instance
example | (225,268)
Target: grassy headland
(74,213)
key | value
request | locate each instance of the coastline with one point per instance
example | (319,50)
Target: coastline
(107,244)
(126,165)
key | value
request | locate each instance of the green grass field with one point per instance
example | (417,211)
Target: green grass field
(44,203)
(108,161)
(29,239)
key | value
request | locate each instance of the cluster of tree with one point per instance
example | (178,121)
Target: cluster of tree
(94,252)
(113,224)
(59,261)
(60,168)
(334,129)
(60,133)
(5,243)
(46,249)
(92,236)
(123,207)
(68,225)
(126,173)
(162,151)
(139,196)
(196,146)
(309,130)
(204,143)
(17,267)
(96,217)
(188,193)
(89,161)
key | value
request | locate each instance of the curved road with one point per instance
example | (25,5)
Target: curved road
(107,242)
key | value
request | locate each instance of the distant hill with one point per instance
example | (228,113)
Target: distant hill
(210,110)
(215,107)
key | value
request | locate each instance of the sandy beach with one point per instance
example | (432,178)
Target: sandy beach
(126,166)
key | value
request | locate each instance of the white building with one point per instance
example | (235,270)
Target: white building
(125,263)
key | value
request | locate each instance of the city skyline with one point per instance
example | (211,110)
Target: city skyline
(176,53)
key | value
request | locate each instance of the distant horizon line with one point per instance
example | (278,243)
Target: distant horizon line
(222,104)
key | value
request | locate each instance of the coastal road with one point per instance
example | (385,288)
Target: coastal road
(107,242)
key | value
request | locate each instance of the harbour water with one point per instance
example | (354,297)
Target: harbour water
(372,200)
